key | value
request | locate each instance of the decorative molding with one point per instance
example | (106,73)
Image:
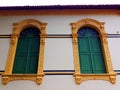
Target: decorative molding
(83,77)
(60,12)
(17,29)
(33,77)
(99,27)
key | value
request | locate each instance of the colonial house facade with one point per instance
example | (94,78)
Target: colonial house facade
(60,47)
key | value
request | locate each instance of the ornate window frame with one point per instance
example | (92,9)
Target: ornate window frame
(18,27)
(99,26)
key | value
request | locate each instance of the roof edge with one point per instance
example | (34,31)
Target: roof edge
(60,7)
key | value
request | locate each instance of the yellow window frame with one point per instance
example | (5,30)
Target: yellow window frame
(17,29)
(99,26)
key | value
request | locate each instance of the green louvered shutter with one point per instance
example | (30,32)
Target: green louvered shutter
(20,57)
(27,52)
(84,54)
(90,51)
(97,56)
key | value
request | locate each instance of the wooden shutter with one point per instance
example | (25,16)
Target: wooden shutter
(97,56)
(27,52)
(84,54)
(90,51)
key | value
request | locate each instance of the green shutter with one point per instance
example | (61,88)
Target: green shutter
(32,62)
(84,54)
(97,56)
(27,52)
(20,57)
(90,51)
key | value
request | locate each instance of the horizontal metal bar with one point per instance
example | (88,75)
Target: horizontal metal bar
(5,36)
(117,70)
(1,72)
(60,72)
(61,36)
(113,35)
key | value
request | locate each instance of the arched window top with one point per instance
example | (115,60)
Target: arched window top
(98,26)
(30,31)
(20,26)
(87,32)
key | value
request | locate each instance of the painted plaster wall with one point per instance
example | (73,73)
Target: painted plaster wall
(59,52)
(114,46)
(61,83)
(4,47)
(60,24)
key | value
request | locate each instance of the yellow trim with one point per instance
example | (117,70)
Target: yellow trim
(18,27)
(99,26)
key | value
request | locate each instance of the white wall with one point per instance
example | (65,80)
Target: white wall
(60,24)
(114,46)
(59,53)
(61,83)
(4,47)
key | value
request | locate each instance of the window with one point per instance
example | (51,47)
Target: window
(26,53)
(90,51)
(91,54)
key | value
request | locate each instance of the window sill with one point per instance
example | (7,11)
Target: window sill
(83,77)
(33,77)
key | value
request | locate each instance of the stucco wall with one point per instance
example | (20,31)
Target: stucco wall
(59,52)
(61,83)
(60,24)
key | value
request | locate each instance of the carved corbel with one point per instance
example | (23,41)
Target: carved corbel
(113,79)
(39,80)
(78,79)
(5,80)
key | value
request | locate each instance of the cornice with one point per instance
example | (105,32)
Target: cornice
(60,12)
